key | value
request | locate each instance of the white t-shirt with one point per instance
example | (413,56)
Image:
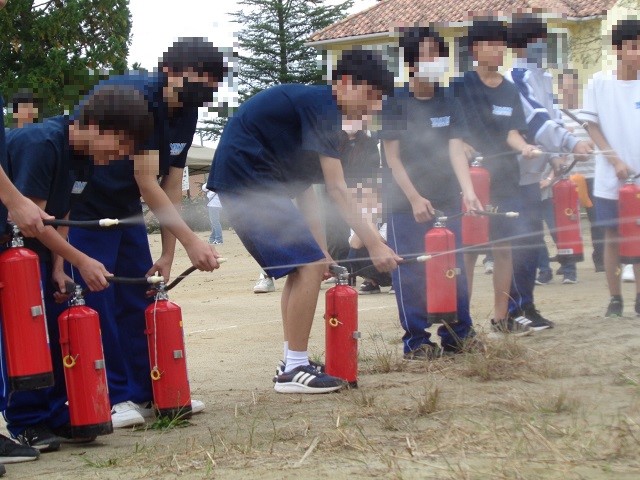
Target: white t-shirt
(214,199)
(615,106)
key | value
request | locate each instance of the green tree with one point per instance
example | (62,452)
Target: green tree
(61,48)
(273,46)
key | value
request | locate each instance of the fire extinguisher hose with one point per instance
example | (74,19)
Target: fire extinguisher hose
(102,223)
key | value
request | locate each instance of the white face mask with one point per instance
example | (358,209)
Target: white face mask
(353,126)
(434,71)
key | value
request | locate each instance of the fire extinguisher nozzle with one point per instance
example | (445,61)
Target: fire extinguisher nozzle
(108,222)
(512,214)
(423,258)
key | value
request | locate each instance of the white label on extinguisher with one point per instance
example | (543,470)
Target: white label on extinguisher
(565,251)
(44,315)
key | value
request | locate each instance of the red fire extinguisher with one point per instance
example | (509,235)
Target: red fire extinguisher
(629,222)
(441,271)
(567,215)
(24,324)
(170,382)
(341,320)
(84,369)
(475,228)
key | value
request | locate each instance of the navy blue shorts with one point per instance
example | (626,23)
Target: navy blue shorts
(503,228)
(273,230)
(606,212)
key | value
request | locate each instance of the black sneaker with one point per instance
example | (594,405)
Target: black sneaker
(41,438)
(66,436)
(368,288)
(3,470)
(570,278)
(468,344)
(544,277)
(12,452)
(426,351)
(515,326)
(614,310)
(538,322)
(307,379)
(280,369)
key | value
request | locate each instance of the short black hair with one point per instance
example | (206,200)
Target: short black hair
(365,66)
(628,29)
(196,53)
(524,30)
(24,96)
(412,37)
(486,31)
(118,108)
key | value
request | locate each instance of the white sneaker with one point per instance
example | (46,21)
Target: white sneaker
(126,414)
(488,267)
(627,274)
(264,285)
(147,410)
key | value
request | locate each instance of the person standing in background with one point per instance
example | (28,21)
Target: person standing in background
(214,207)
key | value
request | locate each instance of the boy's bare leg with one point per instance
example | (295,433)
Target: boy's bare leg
(636,273)
(470,260)
(299,302)
(612,261)
(502,273)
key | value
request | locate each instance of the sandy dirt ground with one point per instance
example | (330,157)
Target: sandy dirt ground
(563,403)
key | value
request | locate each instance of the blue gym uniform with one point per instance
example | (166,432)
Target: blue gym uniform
(42,166)
(492,112)
(269,153)
(424,128)
(113,192)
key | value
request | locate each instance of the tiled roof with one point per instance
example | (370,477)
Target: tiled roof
(386,14)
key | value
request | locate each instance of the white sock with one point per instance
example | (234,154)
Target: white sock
(286,350)
(295,360)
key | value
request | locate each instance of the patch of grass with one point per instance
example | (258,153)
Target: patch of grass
(560,403)
(99,462)
(427,401)
(164,423)
(384,358)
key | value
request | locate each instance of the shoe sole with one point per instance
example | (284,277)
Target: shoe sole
(8,460)
(498,334)
(264,291)
(128,423)
(291,387)
(537,329)
(569,282)
(369,293)
(50,447)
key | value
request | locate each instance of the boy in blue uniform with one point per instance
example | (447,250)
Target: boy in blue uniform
(43,160)
(188,76)
(422,132)
(496,123)
(277,144)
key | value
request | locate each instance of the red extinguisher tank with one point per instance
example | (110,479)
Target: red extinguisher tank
(441,272)
(167,357)
(629,222)
(475,229)
(24,325)
(84,370)
(341,320)
(567,216)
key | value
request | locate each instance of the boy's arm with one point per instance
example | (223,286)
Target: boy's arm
(22,211)
(202,255)
(543,129)
(622,169)
(461,169)
(516,141)
(422,209)
(172,186)
(92,271)
(383,258)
